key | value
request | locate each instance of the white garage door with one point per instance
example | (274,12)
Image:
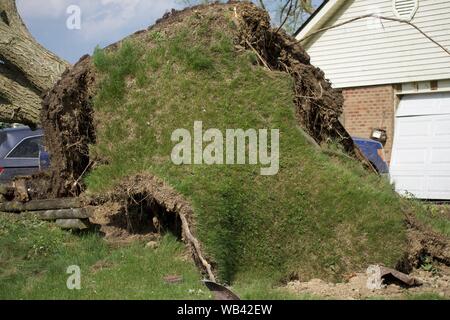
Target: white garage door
(420,163)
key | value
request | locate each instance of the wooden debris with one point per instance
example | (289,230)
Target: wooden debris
(82,213)
(173,279)
(39,205)
(220,292)
(21,191)
(379,276)
(73,224)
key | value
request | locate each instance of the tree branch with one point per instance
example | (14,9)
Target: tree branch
(381,18)
(307,6)
(261,3)
(290,3)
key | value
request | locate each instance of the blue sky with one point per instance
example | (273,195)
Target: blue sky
(102,22)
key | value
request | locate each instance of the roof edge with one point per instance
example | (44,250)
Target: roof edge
(318,18)
(310,18)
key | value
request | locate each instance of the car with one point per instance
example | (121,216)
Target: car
(19,152)
(374,152)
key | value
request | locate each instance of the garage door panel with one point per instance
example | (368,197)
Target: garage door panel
(409,183)
(439,183)
(441,127)
(420,162)
(424,104)
(428,187)
(440,156)
(405,156)
(411,129)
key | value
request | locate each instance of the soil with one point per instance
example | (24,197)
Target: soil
(114,227)
(356,287)
(69,129)
(425,243)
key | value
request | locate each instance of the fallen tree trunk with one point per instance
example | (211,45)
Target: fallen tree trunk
(62,214)
(23,101)
(40,205)
(27,69)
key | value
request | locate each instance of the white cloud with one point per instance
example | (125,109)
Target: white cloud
(43,8)
(112,15)
(102,22)
(99,17)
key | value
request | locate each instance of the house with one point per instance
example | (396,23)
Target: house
(394,78)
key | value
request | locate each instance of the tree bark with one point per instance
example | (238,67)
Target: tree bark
(27,69)
(24,103)
(81,213)
(41,205)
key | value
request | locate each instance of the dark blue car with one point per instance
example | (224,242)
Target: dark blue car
(374,152)
(19,152)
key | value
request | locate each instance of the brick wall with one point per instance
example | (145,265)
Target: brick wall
(367,108)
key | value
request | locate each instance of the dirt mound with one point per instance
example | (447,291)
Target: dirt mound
(356,287)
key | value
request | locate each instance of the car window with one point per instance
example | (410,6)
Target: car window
(28,148)
(2,137)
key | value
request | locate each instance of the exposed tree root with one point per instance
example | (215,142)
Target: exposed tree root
(319,106)
(68,124)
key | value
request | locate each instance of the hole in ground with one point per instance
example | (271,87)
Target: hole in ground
(143,215)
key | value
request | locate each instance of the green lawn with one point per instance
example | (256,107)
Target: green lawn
(436,216)
(35,255)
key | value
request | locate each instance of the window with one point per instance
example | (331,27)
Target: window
(405,9)
(28,148)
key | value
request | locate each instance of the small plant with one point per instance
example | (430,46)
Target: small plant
(428,266)
(157,36)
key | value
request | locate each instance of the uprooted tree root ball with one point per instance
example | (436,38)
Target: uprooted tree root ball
(108,125)
(67,114)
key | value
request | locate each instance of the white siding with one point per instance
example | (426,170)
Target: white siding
(370,52)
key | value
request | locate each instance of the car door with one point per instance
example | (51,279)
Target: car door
(23,159)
